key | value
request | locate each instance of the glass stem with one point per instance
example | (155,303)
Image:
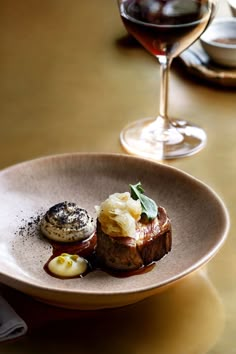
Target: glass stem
(165,63)
(162,130)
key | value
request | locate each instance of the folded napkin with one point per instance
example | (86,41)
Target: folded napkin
(11,324)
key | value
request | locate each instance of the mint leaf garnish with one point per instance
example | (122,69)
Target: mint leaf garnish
(149,207)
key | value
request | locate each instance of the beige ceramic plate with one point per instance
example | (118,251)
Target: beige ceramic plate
(199,220)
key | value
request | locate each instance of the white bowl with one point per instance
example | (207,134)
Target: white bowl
(232,5)
(219,41)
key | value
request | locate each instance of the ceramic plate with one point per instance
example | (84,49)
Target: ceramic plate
(199,222)
(199,64)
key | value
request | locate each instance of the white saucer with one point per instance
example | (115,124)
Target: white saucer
(200,65)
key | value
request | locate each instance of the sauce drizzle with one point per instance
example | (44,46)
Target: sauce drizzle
(86,249)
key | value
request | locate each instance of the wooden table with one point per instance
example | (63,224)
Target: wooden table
(70,80)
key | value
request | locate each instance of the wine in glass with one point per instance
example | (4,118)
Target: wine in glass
(165,28)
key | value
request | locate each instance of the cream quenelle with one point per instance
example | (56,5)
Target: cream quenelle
(67,222)
(67,265)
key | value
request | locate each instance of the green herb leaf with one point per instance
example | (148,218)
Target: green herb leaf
(149,207)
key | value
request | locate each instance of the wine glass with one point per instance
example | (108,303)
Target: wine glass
(165,28)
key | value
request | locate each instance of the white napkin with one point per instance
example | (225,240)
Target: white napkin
(11,324)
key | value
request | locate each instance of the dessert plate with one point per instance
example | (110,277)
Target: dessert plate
(199,220)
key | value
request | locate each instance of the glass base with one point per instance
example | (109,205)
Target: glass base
(181,139)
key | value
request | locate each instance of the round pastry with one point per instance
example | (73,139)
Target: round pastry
(67,222)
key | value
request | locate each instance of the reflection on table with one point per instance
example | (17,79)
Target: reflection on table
(186,318)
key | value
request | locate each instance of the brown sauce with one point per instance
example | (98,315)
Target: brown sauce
(83,249)
(128,273)
(86,249)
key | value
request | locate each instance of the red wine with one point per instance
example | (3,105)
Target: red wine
(166,27)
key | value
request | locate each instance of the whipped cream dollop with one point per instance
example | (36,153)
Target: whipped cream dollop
(118,215)
(68,265)
(67,222)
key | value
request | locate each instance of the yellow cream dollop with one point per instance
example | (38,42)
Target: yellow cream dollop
(118,214)
(67,265)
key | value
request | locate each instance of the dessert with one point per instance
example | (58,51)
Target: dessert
(132,231)
(67,222)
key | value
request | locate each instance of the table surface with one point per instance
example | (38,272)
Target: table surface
(70,80)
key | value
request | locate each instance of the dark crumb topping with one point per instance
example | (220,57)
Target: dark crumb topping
(65,213)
